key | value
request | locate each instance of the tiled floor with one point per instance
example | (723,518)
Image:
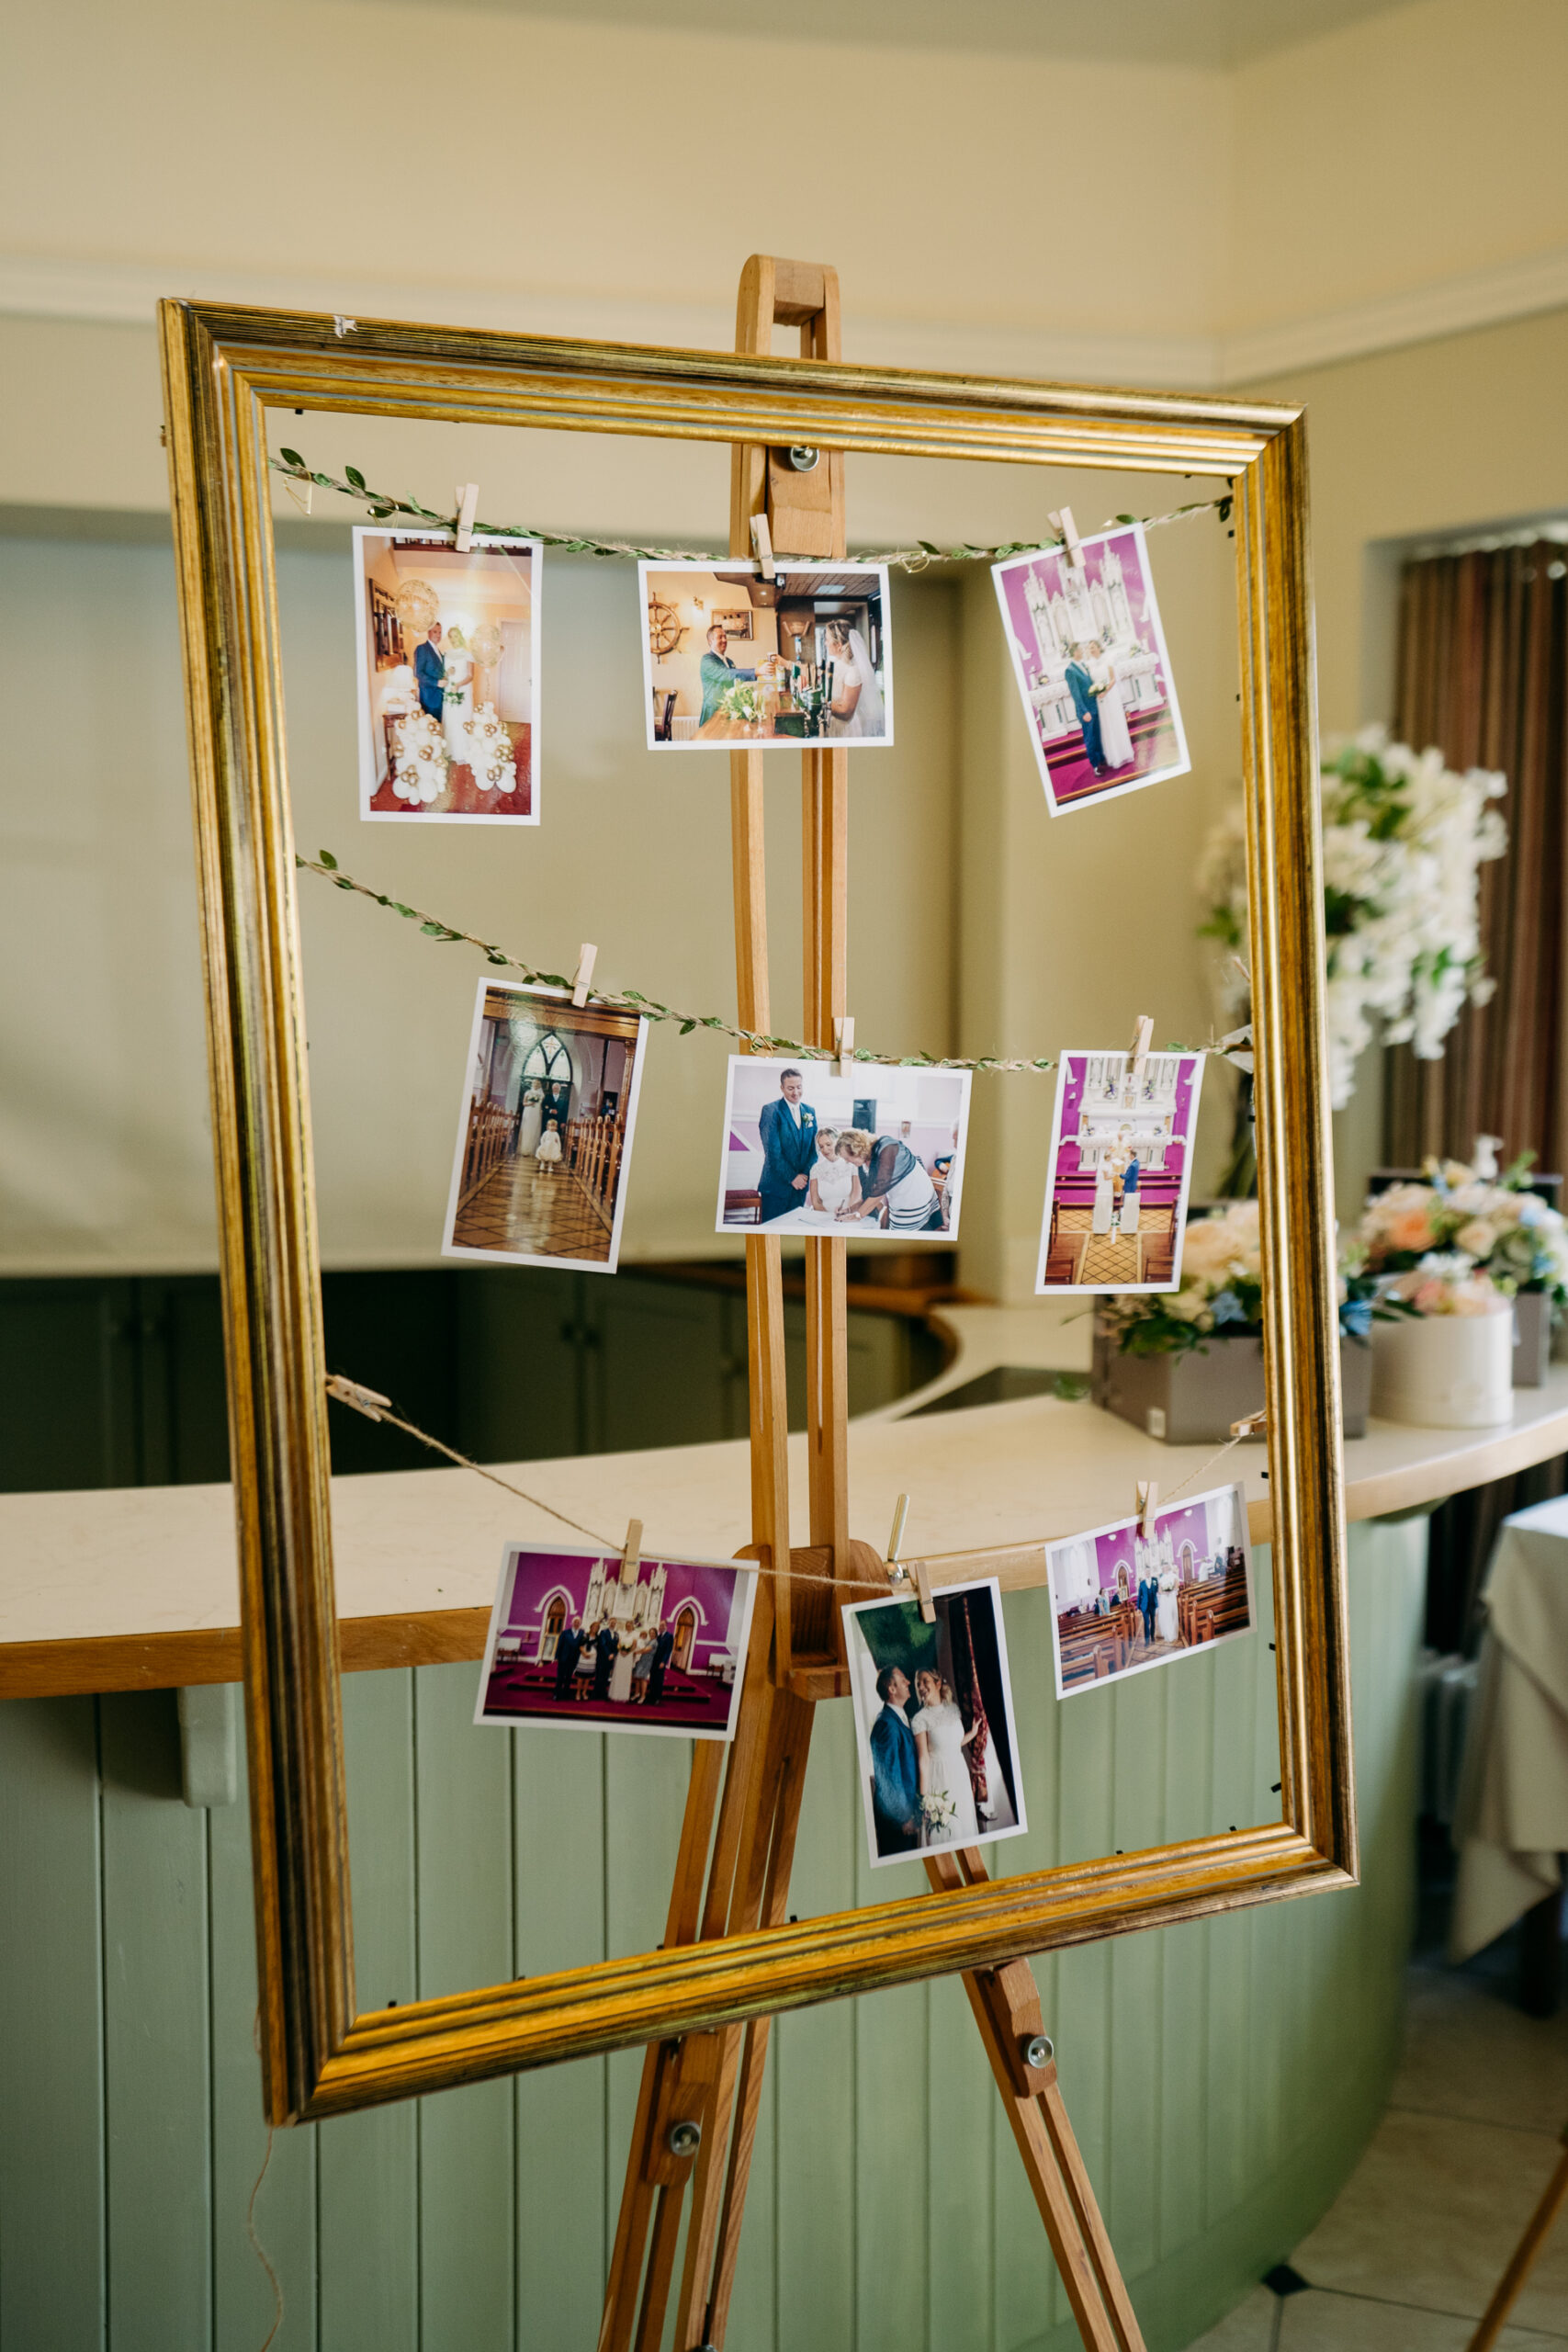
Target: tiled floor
(1407,2259)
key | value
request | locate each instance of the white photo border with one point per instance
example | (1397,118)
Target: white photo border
(513,1552)
(369,816)
(782,743)
(450,1249)
(1042,1289)
(863,1729)
(1181,765)
(1115,1527)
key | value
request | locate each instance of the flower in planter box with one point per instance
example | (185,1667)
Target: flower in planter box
(1518,1240)
(1447,1281)
(1222,1292)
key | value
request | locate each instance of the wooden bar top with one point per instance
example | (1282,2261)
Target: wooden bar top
(135,1588)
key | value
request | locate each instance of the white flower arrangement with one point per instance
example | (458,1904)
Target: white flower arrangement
(419,759)
(1404,839)
(1459,1233)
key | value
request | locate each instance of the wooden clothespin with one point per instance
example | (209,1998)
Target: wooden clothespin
(632,1553)
(762,540)
(899,1571)
(1067,530)
(467,504)
(1147,1492)
(844,1038)
(585,957)
(1251,1424)
(367,1401)
(1138,1052)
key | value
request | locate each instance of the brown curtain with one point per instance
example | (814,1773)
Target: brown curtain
(1483,665)
(1483,674)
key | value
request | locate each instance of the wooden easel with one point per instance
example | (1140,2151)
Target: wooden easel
(698,2106)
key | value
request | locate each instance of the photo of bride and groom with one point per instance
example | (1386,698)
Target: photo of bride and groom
(1093,674)
(733,656)
(934,1723)
(448,679)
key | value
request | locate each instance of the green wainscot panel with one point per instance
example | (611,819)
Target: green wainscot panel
(1223,2075)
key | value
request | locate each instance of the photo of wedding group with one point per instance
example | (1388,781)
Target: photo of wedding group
(934,1723)
(730,657)
(1121,1602)
(448,678)
(1093,674)
(877,1156)
(544,1133)
(578,1636)
(1120,1171)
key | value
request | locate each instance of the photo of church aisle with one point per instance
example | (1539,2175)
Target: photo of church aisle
(1122,1601)
(543,1142)
(648,1645)
(1121,1165)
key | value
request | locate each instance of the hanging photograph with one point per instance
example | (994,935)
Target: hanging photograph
(1120,1169)
(576,1639)
(731,658)
(1093,673)
(545,1135)
(1121,1602)
(877,1156)
(448,678)
(934,1729)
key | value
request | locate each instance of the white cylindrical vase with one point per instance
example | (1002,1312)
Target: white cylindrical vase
(1445,1372)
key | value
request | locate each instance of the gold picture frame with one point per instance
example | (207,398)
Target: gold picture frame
(224,367)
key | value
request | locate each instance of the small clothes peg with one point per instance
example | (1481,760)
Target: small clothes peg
(367,1401)
(762,540)
(467,505)
(923,1587)
(1062,523)
(844,1038)
(586,955)
(632,1553)
(1147,1493)
(1251,1424)
(1138,1053)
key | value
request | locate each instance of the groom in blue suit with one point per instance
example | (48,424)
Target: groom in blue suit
(895,1768)
(430,668)
(788,1129)
(1085,702)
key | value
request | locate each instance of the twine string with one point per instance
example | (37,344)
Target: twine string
(383,506)
(257,2246)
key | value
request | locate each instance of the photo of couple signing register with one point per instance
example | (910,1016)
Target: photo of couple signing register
(886,1163)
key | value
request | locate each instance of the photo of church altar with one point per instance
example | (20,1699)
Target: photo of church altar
(1121,1602)
(579,1636)
(544,1133)
(1120,1170)
(448,678)
(1092,671)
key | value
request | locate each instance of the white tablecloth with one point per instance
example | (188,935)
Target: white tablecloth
(1511,1820)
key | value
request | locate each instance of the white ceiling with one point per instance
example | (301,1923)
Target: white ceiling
(1150,32)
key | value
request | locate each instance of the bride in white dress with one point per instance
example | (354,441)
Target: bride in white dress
(533,1119)
(940,1741)
(458,698)
(1115,738)
(856,709)
(1167,1617)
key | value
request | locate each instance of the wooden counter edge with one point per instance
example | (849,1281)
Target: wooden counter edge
(173,1661)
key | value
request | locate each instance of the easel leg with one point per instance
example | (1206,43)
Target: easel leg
(1522,2262)
(1005,2007)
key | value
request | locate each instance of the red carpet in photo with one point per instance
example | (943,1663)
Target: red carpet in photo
(1073,779)
(528,1693)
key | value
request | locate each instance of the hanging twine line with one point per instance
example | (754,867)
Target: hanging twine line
(376,1408)
(1228,1047)
(383,506)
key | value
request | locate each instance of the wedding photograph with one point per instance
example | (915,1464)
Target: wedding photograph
(1121,1602)
(934,1729)
(731,657)
(545,1134)
(877,1156)
(1092,671)
(574,1638)
(448,678)
(1120,1169)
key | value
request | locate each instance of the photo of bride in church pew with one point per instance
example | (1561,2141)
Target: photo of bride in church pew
(545,1134)
(448,678)
(1092,671)
(1121,1601)
(1120,1170)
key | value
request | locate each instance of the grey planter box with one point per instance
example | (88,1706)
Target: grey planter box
(1532,1338)
(1193,1399)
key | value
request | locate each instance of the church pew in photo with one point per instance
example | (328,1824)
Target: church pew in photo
(1211,1606)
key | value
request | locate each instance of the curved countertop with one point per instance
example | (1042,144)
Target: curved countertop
(136,1587)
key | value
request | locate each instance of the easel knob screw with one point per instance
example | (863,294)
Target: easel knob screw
(804,458)
(685,2139)
(1039,2050)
